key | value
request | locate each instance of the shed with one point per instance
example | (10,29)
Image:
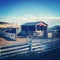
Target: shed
(31,27)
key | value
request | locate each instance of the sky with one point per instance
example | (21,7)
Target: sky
(22,11)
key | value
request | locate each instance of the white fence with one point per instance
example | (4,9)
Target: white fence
(33,45)
(10,35)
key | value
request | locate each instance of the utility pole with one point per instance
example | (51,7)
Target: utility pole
(16,31)
(36,27)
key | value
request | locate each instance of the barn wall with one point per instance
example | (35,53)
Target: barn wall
(44,29)
(30,29)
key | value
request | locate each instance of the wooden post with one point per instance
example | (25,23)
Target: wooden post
(30,44)
(16,31)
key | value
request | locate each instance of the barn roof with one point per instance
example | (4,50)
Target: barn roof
(33,23)
(57,27)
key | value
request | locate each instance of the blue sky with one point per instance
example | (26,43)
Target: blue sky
(20,8)
(35,7)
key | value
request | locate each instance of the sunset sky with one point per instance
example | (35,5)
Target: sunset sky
(21,11)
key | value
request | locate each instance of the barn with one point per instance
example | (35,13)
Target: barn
(34,28)
(55,30)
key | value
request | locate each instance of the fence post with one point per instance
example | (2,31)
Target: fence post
(30,44)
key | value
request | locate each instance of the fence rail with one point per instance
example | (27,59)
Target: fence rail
(33,45)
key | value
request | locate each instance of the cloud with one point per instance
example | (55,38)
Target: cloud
(51,20)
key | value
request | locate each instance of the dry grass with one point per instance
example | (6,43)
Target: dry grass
(6,42)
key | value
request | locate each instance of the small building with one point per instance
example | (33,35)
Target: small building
(32,28)
(54,32)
